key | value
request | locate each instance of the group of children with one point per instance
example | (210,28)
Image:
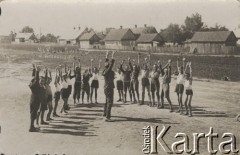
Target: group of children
(155,80)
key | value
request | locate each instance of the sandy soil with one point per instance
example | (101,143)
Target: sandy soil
(84,132)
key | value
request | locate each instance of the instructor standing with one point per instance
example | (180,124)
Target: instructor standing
(108,75)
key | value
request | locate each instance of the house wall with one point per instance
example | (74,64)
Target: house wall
(144,46)
(121,45)
(84,44)
(212,48)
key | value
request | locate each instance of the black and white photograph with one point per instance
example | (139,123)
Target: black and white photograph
(119,77)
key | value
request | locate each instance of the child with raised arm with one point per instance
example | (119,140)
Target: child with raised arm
(57,93)
(108,75)
(85,84)
(64,92)
(77,83)
(119,82)
(166,82)
(179,86)
(126,80)
(134,83)
(95,82)
(36,96)
(189,91)
(44,100)
(145,81)
(49,96)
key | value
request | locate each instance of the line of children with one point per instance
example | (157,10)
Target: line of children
(126,80)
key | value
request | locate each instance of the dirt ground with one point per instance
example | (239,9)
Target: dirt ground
(84,132)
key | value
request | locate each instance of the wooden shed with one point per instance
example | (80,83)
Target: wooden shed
(149,41)
(89,40)
(213,42)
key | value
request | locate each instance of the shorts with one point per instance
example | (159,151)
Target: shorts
(43,106)
(119,85)
(166,90)
(64,93)
(57,96)
(189,92)
(85,87)
(69,90)
(145,82)
(95,84)
(155,85)
(49,98)
(126,85)
(134,85)
(179,88)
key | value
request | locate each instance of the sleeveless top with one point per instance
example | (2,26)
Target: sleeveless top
(180,79)
(188,86)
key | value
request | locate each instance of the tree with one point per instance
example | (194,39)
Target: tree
(192,24)
(27,29)
(217,27)
(48,38)
(150,29)
(173,33)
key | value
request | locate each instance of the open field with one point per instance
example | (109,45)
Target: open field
(84,132)
(207,67)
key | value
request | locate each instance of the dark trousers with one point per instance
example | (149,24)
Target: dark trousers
(77,90)
(109,102)
(34,107)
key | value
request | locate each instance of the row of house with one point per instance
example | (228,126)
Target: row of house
(139,38)
(123,38)
(147,38)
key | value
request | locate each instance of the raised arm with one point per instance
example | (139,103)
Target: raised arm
(190,67)
(91,64)
(130,64)
(99,65)
(138,61)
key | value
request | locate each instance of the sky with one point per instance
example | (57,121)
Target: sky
(60,16)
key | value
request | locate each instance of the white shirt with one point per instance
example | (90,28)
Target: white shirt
(64,85)
(187,85)
(145,73)
(69,82)
(119,77)
(95,76)
(58,87)
(180,79)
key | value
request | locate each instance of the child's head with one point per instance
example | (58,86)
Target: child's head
(134,67)
(127,67)
(118,70)
(77,69)
(41,80)
(165,71)
(187,76)
(145,67)
(65,77)
(155,67)
(181,70)
(49,81)
(94,69)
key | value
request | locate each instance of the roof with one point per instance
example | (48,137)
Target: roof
(212,36)
(72,35)
(147,38)
(24,35)
(119,34)
(87,36)
(148,29)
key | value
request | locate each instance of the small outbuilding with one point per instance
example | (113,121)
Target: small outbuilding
(149,41)
(213,42)
(89,40)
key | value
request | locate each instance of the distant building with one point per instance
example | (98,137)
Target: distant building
(149,41)
(5,39)
(120,39)
(72,38)
(142,30)
(25,38)
(213,42)
(89,40)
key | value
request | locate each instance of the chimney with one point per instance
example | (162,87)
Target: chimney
(136,26)
(121,27)
(145,25)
